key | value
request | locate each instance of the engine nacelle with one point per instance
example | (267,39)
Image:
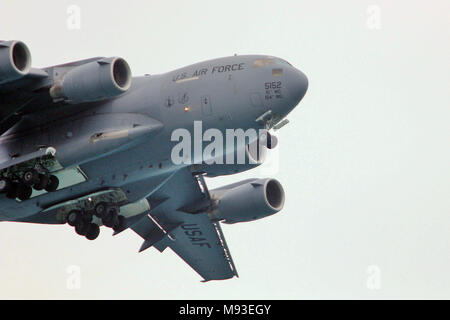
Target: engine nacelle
(247,200)
(93,81)
(15,60)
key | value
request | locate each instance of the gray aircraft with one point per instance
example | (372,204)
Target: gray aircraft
(87,144)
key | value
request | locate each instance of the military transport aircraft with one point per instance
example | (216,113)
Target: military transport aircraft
(87,144)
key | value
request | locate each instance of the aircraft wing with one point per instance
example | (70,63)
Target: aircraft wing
(29,94)
(192,236)
(22,96)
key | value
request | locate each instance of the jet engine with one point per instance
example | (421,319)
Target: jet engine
(15,60)
(247,200)
(93,81)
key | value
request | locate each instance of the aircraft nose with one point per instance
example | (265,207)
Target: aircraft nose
(298,85)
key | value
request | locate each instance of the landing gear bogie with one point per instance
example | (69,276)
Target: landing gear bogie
(86,221)
(20,185)
(35,173)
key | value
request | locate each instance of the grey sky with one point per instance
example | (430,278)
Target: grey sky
(364,161)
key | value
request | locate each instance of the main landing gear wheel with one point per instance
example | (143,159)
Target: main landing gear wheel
(24,192)
(43,182)
(11,193)
(93,231)
(5,185)
(90,230)
(30,177)
(84,228)
(52,184)
(81,227)
(86,217)
(121,221)
(100,209)
(110,217)
(73,217)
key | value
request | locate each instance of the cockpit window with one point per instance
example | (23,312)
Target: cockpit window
(268,62)
(258,63)
(280,61)
(277,72)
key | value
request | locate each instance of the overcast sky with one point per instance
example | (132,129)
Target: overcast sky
(364,160)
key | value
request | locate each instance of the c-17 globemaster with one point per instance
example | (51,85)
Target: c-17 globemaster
(87,144)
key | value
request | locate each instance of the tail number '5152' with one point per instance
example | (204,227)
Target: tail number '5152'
(272,85)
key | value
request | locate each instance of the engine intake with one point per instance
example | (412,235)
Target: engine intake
(15,60)
(93,81)
(247,200)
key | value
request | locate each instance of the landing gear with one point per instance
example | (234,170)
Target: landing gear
(109,214)
(11,192)
(43,182)
(19,180)
(121,224)
(5,185)
(52,184)
(84,222)
(30,177)
(100,209)
(81,228)
(111,217)
(22,187)
(24,192)
(73,217)
(93,231)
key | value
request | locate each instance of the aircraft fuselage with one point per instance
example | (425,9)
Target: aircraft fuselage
(121,142)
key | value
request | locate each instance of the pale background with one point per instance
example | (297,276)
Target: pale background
(364,161)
